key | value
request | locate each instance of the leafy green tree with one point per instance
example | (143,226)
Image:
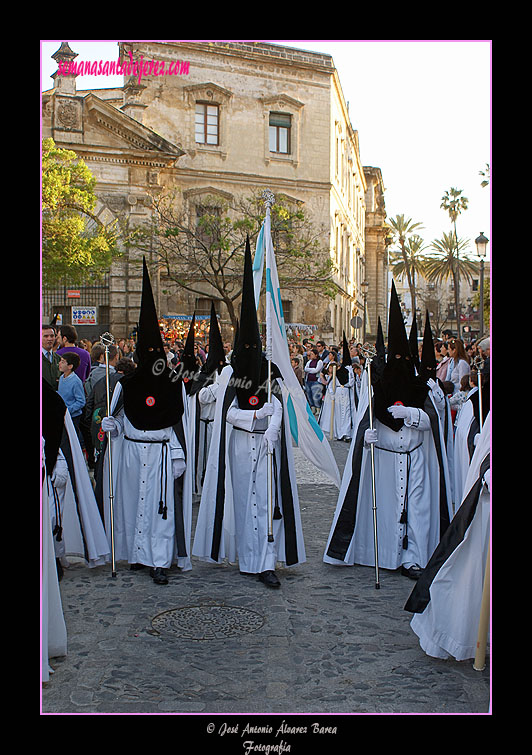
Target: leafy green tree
(75,244)
(406,261)
(201,248)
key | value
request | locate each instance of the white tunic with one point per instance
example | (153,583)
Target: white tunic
(143,475)
(245,517)
(344,407)
(404,464)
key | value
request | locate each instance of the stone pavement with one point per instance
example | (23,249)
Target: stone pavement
(214,641)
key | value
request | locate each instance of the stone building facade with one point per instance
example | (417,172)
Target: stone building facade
(233,118)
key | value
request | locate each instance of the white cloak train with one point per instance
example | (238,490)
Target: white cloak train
(73,506)
(447,598)
(467,428)
(53,627)
(412,484)
(233,515)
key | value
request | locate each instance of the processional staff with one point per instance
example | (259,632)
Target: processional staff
(331,429)
(107,340)
(269,197)
(370,352)
(478,363)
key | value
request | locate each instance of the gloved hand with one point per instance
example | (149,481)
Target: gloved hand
(110,425)
(178,467)
(60,474)
(370,436)
(265,411)
(431,383)
(271,436)
(398,411)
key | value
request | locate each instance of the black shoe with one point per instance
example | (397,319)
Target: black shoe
(159,576)
(59,568)
(269,578)
(413,572)
(136,567)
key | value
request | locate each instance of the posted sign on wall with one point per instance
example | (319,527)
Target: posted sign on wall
(84,316)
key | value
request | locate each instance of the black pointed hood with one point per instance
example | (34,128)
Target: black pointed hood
(397,338)
(247,352)
(215,361)
(216,355)
(398,382)
(428,364)
(413,343)
(152,393)
(342,374)
(188,366)
(379,361)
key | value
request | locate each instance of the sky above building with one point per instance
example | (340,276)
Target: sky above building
(422,109)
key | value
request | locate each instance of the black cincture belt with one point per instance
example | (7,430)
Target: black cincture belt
(403,519)
(251,432)
(163,508)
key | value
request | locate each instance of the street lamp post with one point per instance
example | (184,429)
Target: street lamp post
(364,286)
(482,243)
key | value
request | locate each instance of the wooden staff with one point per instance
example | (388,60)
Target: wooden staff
(369,352)
(107,340)
(482,637)
(331,432)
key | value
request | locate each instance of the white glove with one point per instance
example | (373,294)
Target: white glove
(264,411)
(370,436)
(431,383)
(110,425)
(60,474)
(271,436)
(178,467)
(399,412)
(476,439)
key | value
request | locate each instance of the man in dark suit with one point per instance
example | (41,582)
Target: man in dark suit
(50,360)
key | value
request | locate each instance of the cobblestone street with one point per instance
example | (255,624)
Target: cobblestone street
(214,641)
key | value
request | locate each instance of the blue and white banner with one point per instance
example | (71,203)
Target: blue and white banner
(306,432)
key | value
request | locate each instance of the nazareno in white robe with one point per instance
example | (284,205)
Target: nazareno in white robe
(410,467)
(446,601)
(141,534)
(232,520)
(344,407)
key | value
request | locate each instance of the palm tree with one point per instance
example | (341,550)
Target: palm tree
(442,264)
(453,202)
(410,262)
(400,230)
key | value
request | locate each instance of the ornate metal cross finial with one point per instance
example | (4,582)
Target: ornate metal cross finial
(268,197)
(369,351)
(106,339)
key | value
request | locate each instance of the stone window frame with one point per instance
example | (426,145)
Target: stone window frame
(282,103)
(210,94)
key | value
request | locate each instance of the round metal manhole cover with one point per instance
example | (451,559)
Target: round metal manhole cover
(208,622)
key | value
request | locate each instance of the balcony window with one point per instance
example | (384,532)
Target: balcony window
(280,127)
(207,123)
